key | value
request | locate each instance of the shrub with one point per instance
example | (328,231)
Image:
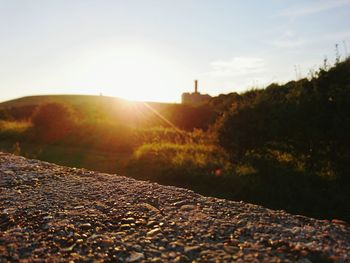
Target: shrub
(53,121)
(13,129)
(186,165)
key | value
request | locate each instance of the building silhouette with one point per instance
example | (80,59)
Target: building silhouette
(194,98)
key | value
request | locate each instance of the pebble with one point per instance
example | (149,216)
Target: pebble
(189,249)
(135,256)
(153,232)
(151,223)
(128,220)
(125,227)
(187,207)
(149,207)
(339,222)
(85,226)
(231,249)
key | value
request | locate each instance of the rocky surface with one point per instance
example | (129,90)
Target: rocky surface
(53,213)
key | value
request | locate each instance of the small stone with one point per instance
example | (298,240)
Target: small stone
(339,222)
(140,222)
(231,249)
(151,223)
(135,256)
(187,207)
(128,220)
(153,232)
(181,258)
(190,249)
(156,260)
(125,227)
(180,203)
(68,249)
(137,247)
(85,226)
(149,207)
(45,227)
(107,242)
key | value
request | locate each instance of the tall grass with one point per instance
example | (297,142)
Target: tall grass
(196,155)
(13,129)
(160,135)
(195,166)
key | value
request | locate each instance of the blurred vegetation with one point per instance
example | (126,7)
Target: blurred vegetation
(284,147)
(295,138)
(53,121)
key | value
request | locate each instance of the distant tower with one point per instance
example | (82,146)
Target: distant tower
(194,98)
(196,86)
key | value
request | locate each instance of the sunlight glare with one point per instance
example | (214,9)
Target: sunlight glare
(132,72)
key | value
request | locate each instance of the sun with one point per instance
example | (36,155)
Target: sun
(131,71)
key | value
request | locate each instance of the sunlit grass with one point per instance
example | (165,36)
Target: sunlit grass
(196,155)
(244,169)
(14,127)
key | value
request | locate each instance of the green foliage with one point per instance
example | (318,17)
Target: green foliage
(171,135)
(196,166)
(307,119)
(13,130)
(52,115)
(291,143)
(196,155)
(53,121)
(5,114)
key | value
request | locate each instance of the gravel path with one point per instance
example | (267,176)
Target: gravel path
(53,213)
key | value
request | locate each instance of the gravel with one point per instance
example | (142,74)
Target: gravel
(53,213)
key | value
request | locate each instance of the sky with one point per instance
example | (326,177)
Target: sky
(153,50)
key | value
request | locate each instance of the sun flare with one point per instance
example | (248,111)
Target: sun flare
(132,72)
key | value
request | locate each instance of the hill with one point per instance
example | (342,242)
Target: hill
(54,213)
(130,113)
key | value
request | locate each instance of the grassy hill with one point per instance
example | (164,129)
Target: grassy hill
(139,114)
(106,133)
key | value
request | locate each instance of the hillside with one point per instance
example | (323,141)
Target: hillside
(117,110)
(53,213)
(68,99)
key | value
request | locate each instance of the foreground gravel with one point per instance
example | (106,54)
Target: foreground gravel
(53,213)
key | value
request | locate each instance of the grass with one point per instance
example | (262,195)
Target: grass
(198,155)
(13,129)
(14,126)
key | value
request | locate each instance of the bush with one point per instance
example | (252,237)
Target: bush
(13,129)
(53,121)
(186,165)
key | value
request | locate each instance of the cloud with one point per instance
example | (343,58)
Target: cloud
(237,66)
(288,40)
(313,8)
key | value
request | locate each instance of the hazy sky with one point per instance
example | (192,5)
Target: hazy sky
(154,49)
